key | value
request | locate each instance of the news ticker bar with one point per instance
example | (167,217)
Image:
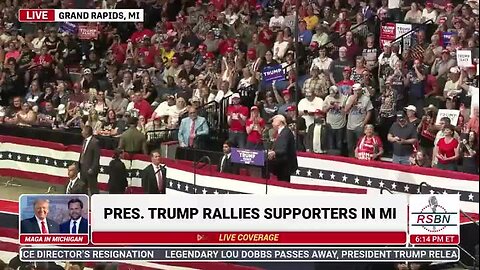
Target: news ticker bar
(251,254)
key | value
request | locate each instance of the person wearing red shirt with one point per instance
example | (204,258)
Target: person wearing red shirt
(352,48)
(255,125)
(432,91)
(147,51)
(236,117)
(342,20)
(138,35)
(43,59)
(144,108)
(345,85)
(119,50)
(369,147)
(266,35)
(447,150)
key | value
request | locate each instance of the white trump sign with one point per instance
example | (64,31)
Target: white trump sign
(464,58)
(452,114)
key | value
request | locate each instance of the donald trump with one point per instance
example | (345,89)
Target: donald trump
(39,223)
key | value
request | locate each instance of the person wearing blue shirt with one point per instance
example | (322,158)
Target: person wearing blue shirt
(192,129)
(304,35)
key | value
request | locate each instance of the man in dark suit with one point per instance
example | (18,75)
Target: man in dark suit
(76,224)
(226,165)
(75,185)
(154,176)
(39,223)
(283,157)
(89,160)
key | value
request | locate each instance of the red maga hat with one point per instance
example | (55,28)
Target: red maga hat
(291,108)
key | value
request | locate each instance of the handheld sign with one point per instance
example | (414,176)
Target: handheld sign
(69,28)
(273,73)
(452,114)
(464,58)
(87,32)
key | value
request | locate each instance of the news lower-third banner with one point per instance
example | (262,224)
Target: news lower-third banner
(260,254)
(245,219)
(143,219)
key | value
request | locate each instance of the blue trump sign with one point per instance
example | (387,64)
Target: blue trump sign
(272,73)
(248,157)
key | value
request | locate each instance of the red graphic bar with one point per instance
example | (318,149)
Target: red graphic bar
(54,239)
(432,239)
(36,15)
(226,238)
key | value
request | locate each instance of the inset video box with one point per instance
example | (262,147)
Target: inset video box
(54,219)
(249,219)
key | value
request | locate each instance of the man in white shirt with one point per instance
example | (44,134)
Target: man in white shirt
(164,107)
(224,91)
(452,85)
(322,62)
(276,21)
(308,105)
(429,13)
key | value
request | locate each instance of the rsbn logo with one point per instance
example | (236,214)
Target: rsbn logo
(434,217)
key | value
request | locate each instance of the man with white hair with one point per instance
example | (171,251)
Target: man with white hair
(283,155)
(39,223)
(338,65)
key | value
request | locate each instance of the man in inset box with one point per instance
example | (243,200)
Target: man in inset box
(76,224)
(39,223)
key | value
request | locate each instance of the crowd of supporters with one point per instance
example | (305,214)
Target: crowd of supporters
(348,94)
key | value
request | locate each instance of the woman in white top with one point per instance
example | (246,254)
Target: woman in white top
(174,112)
(429,13)
(200,84)
(230,16)
(276,21)
(414,15)
(38,41)
(101,104)
(246,79)
(280,46)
